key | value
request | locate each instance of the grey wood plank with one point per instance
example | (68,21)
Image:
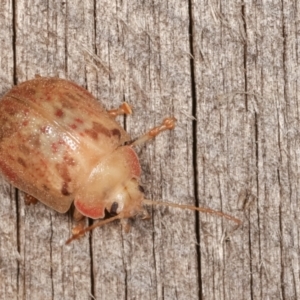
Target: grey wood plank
(241,153)
(225,147)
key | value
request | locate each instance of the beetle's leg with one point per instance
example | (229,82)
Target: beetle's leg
(76,230)
(93,226)
(30,200)
(167,124)
(123,109)
(77,216)
(80,219)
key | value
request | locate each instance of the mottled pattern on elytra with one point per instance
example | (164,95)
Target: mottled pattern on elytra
(52,134)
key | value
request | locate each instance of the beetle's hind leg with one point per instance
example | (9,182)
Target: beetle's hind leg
(123,109)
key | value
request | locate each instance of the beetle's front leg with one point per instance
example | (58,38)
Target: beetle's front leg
(77,216)
(123,109)
(167,124)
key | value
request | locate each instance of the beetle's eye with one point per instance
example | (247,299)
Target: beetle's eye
(141,189)
(114,208)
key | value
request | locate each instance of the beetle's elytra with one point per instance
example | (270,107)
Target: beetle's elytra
(59,145)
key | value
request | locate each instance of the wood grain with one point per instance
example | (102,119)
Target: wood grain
(229,72)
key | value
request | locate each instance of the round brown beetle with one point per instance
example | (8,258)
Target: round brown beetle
(60,146)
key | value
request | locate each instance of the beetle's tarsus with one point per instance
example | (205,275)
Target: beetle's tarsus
(167,124)
(78,228)
(123,109)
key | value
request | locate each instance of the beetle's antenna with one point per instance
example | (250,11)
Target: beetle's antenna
(93,226)
(191,207)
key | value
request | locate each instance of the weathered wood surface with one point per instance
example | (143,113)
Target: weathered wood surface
(234,66)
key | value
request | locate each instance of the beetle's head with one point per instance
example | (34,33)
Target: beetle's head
(112,187)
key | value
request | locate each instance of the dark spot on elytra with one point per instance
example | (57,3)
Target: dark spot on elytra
(116,132)
(78,120)
(21,162)
(59,113)
(99,128)
(114,208)
(45,187)
(91,133)
(63,172)
(70,161)
(64,189)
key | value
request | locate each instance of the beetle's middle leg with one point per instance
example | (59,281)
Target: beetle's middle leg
(123,109)
(167,124)
(77,216)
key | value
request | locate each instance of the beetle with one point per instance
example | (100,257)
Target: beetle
(59,145)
